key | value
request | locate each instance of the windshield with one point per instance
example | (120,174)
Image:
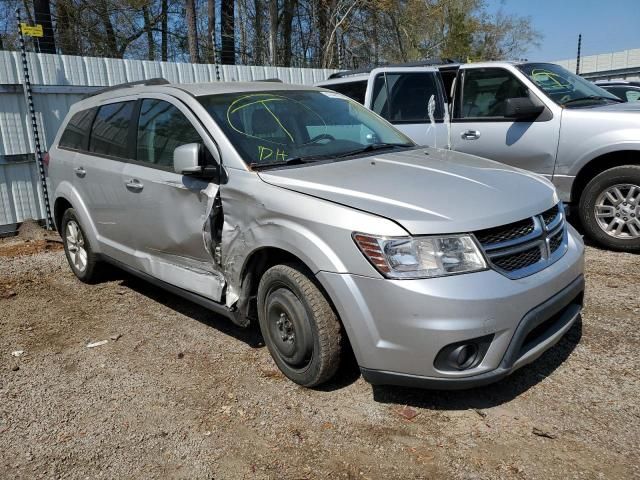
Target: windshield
(564,87)
(273,127)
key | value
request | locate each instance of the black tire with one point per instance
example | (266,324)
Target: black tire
(624,175)
(312,355)
(92,267)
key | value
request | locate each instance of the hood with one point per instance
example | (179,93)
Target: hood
(618,107)
(425,190)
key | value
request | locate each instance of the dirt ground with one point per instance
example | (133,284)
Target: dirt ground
(177,392)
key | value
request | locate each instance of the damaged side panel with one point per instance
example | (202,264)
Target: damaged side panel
(173,222)
(258,215)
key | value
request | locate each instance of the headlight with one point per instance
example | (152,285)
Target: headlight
(421,257)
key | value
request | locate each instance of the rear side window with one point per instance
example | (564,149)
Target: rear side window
(353,90)
(77,130)
(161,128)
(110,130)
(403,97)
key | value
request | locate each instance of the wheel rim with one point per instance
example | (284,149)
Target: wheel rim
(617,211)
(75,246)
(289,329)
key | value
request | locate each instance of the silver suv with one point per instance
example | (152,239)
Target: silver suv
(300,209)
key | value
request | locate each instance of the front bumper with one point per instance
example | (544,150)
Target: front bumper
(397,327)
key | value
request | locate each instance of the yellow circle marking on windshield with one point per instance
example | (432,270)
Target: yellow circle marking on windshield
(266,98)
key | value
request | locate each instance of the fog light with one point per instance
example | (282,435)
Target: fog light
(463,355)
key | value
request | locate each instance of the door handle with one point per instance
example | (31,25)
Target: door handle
(80,172)
(470,135)
(134,185)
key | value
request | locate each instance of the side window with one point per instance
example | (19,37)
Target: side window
(633,95)
(354,90)
(77,130)
(110,130)
(403,97)
(161,128)
(485,91)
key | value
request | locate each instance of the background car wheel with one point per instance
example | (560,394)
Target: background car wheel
(610,208)
(82,260)
(300,329)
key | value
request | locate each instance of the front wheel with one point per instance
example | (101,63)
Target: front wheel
(610,208)
(300,329)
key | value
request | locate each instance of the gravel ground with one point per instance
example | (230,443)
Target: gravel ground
(178,392)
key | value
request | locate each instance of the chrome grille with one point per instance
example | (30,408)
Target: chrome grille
(525,247)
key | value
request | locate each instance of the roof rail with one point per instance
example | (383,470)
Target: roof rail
(420,63)
(149,81)
(274,80)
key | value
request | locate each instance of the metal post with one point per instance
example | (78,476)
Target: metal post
(578,58)
(215,55)
(28,95)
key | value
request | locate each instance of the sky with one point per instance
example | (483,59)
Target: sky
(606,26)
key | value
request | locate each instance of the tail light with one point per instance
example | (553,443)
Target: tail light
(45,160)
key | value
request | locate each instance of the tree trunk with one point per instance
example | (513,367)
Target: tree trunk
(111,40)
(273,32)
(151,48)
(192,31)
(42,9)
(228,32)
(211,30)
(257,37)
(164,34)
(69,45)
(287,21)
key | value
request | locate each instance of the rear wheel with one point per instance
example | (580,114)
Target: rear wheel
(83,262)
(610,208)
(300,329)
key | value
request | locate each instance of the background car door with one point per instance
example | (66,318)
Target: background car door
(401,96)
(171,214)
(479,126)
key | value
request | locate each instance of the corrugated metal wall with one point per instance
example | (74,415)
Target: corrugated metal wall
(59,81)
(606,62)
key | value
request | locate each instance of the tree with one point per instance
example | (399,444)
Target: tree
(192,30)
(228,32)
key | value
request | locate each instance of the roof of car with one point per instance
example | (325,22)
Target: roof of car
(195,89)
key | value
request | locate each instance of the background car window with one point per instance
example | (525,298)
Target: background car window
(404,97)
(161,128)
(77,130)
(110,130)
(625,93)
(355,90)
(485,91)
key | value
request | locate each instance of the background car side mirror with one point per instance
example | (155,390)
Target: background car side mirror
(195,159)
(522,108)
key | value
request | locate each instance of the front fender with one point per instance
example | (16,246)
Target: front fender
(600,150)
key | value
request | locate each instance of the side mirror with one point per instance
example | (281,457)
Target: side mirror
(186,159)
(196,160)
(522,108)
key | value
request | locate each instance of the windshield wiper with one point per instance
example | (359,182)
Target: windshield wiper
(288,161)
(591,97)
(374,146)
